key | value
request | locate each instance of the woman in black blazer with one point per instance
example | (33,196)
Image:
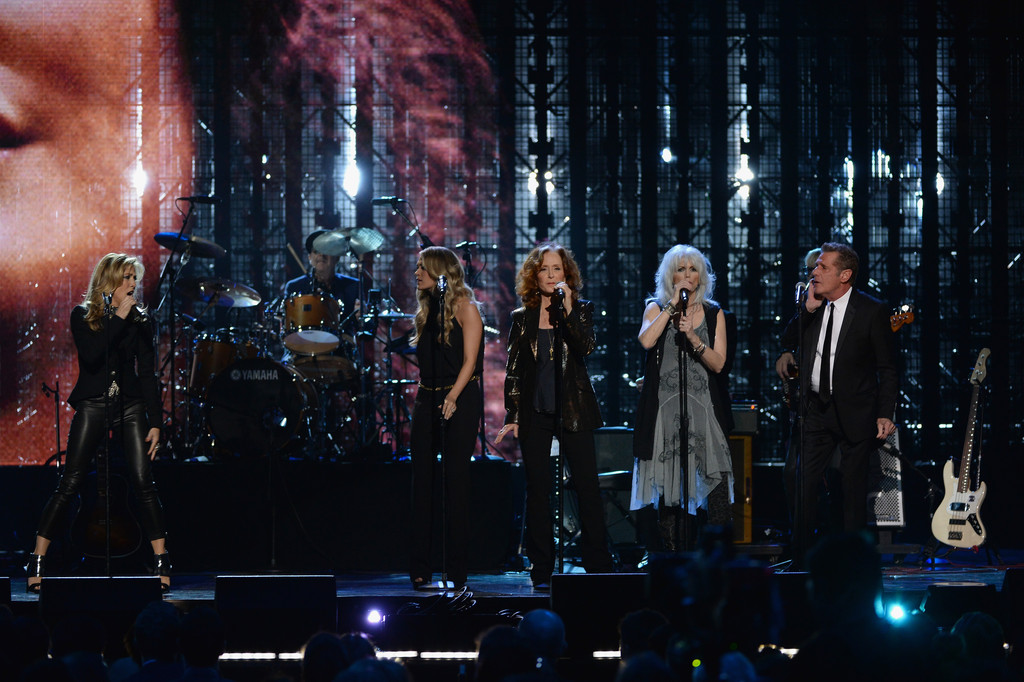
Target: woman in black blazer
(551,335)
(116,372)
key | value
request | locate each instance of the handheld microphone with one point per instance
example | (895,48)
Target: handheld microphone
(801,291)
(108,298)
(442,284)
(387,201)
(684,300)
(200,199)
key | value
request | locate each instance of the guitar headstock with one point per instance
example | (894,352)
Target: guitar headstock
(901,316)
(979,371)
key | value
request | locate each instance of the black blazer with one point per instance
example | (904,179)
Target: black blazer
(132,360)
(580,411)
(864,381)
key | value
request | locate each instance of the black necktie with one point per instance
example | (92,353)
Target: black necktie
(824,381)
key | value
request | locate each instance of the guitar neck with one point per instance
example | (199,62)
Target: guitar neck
(963,483)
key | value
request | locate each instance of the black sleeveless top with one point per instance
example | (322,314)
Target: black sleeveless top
(440,362)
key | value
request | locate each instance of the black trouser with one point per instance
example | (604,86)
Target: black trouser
(578,450)
(130,426)
(822,434)
(460,433)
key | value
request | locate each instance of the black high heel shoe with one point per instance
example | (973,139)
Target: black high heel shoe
(35,568)
(162,568)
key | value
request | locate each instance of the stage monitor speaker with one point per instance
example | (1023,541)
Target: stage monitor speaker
(591,606)
(275,613)
(113,602)
(742,448)
(614,448)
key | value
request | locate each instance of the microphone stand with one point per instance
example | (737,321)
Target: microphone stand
(556,316)
(55,392)
(684,429)
(108,315)
(800,529)
(442,287)
(395,201)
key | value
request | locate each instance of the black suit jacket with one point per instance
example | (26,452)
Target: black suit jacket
(864,381)
(131,357)
(580,411)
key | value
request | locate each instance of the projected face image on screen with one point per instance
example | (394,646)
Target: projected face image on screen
(72,180)
(102,127)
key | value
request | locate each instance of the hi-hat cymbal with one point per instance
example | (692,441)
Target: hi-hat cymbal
(202,248)
(360,240)
(220,292)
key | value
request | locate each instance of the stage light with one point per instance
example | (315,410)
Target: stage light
(374,617)
(896,613)
(667,156)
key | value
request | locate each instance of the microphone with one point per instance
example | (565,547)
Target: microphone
(200,199)
(465,245)
(801,291)
(684,300)
(442,283)
(108,298)
(193,322)
(387,201)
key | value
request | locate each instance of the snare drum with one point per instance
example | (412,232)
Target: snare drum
(311,323)
(216,350)
(257,405)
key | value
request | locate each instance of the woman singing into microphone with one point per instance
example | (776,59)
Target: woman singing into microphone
(684,284)
(446,414)
(549,283)
(117,389)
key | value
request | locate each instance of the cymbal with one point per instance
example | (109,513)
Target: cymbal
(221,292)
(389,315)
(202,248)
(360,240)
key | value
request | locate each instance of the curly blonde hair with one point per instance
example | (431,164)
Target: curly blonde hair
(107,276)
(526,279)
(437,261)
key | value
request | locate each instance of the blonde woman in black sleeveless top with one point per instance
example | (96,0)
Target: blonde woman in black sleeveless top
(446,415)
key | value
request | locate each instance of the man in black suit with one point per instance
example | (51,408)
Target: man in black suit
(848,389)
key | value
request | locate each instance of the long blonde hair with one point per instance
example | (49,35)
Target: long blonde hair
(437,261)
(684,253)
(107,276)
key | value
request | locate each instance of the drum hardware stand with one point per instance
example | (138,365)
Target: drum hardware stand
(170,274)
(472,274)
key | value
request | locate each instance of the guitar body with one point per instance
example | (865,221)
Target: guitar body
(89,531)
(957,521)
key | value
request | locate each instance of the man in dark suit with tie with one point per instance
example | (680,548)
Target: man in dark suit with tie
(848,390)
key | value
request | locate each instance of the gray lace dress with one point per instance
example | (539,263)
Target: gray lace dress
(710,461)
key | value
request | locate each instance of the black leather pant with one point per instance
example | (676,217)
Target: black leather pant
(84,438)
(578,450)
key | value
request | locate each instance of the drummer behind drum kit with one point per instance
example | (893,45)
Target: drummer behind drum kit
(243,401)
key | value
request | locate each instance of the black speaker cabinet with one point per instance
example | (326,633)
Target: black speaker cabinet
(114,602)
(591,606)
(275,613)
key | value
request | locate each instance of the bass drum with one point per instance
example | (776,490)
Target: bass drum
(257,406)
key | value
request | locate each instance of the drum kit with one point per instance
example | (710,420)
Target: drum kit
(300,379)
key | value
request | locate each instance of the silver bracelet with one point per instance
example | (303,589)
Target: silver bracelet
(669,309)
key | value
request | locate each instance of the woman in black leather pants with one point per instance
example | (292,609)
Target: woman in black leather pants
(117,387)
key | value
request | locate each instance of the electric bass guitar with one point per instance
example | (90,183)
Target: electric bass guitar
(791,386)
(957,521)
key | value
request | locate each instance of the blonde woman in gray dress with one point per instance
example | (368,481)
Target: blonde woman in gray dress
(659,468)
